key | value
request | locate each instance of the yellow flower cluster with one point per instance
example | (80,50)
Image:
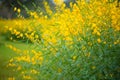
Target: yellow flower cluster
(58,2)
(31,57)
(13,48)
(36,57)
(17,9)
(63,28)
(34,14)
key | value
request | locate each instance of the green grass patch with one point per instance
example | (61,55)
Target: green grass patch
(5,55)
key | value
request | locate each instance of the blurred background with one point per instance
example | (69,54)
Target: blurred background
(7,6)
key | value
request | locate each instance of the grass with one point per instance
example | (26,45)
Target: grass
(5,55)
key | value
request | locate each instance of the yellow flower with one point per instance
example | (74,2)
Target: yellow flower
(11,38)
(104,42)
(98,33)
(34,71)
(14,31)
(83,47)
(11,60)
(26,77)
(11,78)
(87,54)
(17,33)
(19,68)
(41,13)
(12,65)
(33,51)
(36,36)
(33,60)
(99,13)
(14,49)
(21,35)
(74,57)
(41,58)
(115,43)
(46,17)
(99,40)
(53,40)
(58,2)
(95,31)
(15,8)
(18,10)
(89,43)
(10,29)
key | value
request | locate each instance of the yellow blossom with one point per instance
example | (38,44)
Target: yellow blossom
(19,68)
(98,33)
(34,71)
(21,35)
(18,10)
(87,54)
(99,40)
(10,29)
(27,77)
(74,57)
(36,36)
(104,42)
(58,2)
(11,38)
(11,78)
(41,58)
(15,8)
(83,47)
(11,64)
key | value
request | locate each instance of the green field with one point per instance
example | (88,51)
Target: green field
(5,55)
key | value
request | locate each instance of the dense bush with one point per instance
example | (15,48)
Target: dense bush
(77,43)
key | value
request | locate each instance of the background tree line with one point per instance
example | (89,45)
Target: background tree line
(6,6)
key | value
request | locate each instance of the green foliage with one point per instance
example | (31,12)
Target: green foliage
(80,43)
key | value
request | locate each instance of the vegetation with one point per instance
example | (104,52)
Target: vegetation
(5,55)
(77,43)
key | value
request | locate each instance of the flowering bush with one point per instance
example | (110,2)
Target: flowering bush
(77,43)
